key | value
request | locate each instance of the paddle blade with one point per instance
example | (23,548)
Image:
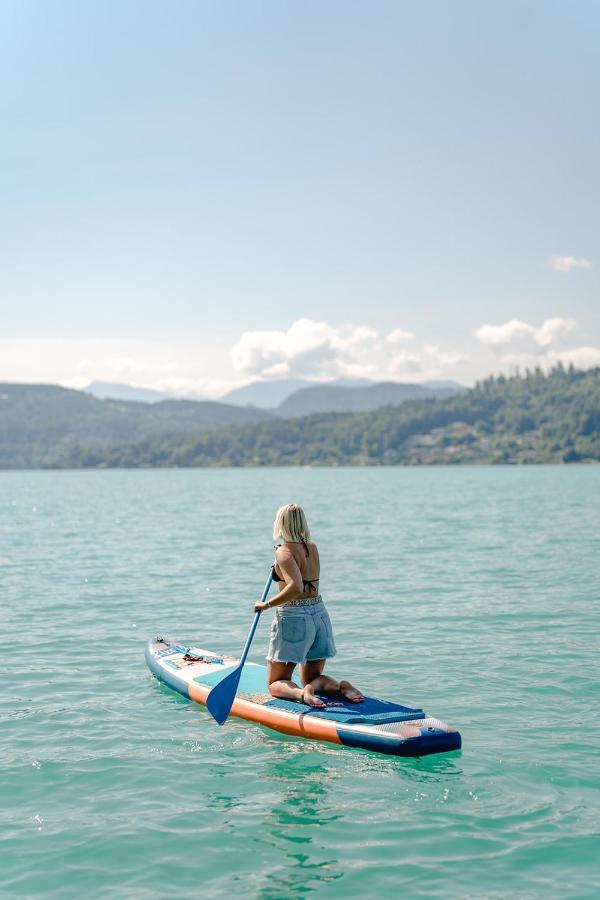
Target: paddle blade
(220,699)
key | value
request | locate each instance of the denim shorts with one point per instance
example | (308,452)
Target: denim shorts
(300,632)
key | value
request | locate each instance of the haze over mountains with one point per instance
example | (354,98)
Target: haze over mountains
(43,424)
(295,396)
(264,394)
(364,398)
(113,390)
(271,394)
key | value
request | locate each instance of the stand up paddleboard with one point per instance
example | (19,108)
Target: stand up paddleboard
(373,724)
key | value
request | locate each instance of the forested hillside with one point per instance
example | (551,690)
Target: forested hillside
(533,418)
(41,424)
(362,398)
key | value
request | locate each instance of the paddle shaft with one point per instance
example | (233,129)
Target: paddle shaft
(221,697)
(255,622)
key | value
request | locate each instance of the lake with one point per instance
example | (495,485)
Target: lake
(472,592)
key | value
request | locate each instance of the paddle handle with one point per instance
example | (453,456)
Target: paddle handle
(255,623)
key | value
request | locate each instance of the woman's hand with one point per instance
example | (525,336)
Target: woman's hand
(259,606)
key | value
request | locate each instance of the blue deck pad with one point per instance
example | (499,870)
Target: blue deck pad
(370,711)
(253,680)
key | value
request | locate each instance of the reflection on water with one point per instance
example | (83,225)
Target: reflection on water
(432,768)
(300,809)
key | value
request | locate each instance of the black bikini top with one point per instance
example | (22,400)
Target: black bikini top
(312,584)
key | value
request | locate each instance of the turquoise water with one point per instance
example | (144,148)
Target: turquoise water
(471,591)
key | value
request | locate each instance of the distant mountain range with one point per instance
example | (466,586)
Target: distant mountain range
(332,398)
(41,424)
(271,394)
(532,418)
(295,396)
(112,390)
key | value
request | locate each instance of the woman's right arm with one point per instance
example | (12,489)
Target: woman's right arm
(293,584)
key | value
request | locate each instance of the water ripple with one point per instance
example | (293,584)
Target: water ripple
(473,592)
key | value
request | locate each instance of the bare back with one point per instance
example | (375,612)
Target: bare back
(293,564)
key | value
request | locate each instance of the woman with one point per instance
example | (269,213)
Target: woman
(301,633)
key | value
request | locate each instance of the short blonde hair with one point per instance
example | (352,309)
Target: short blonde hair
(290,524)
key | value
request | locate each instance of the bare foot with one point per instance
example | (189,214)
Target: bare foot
(349,692)
(308,696)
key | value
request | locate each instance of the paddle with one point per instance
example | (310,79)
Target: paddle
(220,699)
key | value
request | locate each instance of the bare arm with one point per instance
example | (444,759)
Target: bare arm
(293,584)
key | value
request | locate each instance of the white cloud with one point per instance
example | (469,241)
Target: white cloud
(307,349)
(405,363)
(181,366)
(358,334)
(322,351)
(566,263)
(524,345)
(522,360)
(552,329)
(259,351)
(518,332)
(125,366)
(444,358)
(197,366)
(581,357)
(495,335)
(202,366)
(429,362)
(398,336)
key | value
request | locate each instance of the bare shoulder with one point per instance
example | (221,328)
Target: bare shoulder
(285,558)
(283,552)
(288,565)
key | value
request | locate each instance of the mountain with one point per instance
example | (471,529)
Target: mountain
(116,391)
(273,394)
(534,418)
(330,398)
(453,387)
(264,394)
(270,394)
(41,425)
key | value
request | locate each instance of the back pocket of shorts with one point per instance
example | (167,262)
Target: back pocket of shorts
(327,625)
(293,629)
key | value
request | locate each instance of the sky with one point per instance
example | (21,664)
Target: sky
(194,195)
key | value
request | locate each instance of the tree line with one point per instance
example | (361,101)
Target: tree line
(533,417)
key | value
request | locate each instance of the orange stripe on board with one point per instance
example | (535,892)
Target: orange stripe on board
(198,692)
(301,725)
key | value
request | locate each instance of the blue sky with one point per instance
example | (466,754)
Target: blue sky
(196,194)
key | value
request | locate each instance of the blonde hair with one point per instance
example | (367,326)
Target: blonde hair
(290,524)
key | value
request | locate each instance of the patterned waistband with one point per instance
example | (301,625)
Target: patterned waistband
(303,601)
